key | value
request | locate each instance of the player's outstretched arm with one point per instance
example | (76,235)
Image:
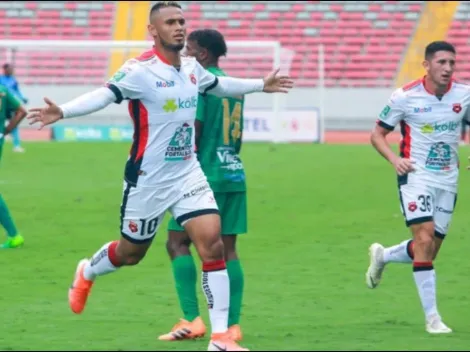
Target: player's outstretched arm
(232,87)
(83,105)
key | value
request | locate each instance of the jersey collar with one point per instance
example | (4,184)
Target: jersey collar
(423,81)
(160,56)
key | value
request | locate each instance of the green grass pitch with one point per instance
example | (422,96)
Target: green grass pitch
(313,212)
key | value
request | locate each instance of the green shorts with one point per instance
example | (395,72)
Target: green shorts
(233,213)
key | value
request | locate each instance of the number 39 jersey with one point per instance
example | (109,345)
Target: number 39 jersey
(430,129)
(221,139)
(162,104)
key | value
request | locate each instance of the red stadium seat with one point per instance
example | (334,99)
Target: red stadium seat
(362,48)
(54,24)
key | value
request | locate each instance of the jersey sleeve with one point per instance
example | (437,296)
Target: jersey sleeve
(393,112)
(466,116)
(201,108)
(12,102)
(207,80)
(125,83)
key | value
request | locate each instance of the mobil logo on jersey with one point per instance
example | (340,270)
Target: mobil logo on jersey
(172,105)
(165,84)
(440,127)
(422,110)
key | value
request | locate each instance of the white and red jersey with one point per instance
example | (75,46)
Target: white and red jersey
(162,104)
(430,128)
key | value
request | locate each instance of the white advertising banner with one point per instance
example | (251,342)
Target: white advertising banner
(295,125)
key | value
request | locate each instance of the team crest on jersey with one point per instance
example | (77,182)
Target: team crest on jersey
(180,147)
(457,107)
(133,227)
(192,78)
(412,206)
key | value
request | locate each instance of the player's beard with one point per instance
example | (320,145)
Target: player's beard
(171,47)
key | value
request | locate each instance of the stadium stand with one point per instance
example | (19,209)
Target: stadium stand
(364,41)
(459,36)
(72,20)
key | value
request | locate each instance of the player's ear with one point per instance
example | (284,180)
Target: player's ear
(204,54)
(152,30)
(426,64)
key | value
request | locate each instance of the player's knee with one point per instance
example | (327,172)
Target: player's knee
(177,244)
(205,233)
(212,248)
(210,245)
(424,237)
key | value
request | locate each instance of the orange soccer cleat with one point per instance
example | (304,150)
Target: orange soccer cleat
(80,289)
(224,342)
(185,330)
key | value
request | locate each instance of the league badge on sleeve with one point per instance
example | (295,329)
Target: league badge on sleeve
(385,112)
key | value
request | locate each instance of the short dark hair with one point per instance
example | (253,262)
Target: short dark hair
(162,4)
(436,46)
(211,40)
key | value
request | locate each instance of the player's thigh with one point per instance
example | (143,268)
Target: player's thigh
(233,212)
(198,201)
(444,210)
(198,213)
(141,216)
(417,204)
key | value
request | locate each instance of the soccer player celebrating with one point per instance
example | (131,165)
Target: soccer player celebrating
(9,104)
(162,172)
(219,126)
(430,111)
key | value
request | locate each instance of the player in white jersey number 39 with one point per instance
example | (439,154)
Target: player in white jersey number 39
(162,172)
(429,111)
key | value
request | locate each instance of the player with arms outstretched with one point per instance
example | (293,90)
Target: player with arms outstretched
(9,104)
(162,172)
(430,112)
(219,126)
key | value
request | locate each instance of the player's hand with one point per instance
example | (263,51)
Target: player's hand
(403,166)
(45,116)
(273,83)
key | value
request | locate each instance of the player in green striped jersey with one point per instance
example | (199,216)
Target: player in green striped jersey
(219,126)
(9,103)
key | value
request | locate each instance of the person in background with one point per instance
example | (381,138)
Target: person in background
(9,80)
